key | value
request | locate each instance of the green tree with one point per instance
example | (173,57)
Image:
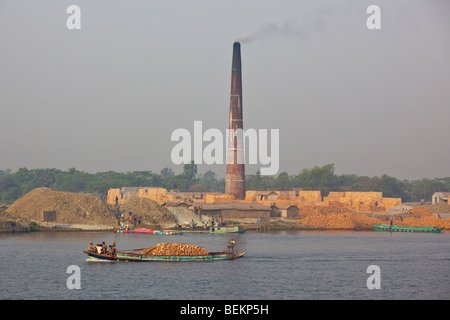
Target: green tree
(167,172)
(282,182)
(317,178)
(190,170)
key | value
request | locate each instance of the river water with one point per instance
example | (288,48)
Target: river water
(298,265)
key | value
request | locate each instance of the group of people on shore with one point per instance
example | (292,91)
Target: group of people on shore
(103,248)
(406,211)
(130,222)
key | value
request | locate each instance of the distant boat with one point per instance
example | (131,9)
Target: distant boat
(217,230)
(380,227)
(149,231)
(230,229)
(167,232)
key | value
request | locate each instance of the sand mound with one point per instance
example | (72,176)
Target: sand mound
(71,208)
(147,210)
(12,224)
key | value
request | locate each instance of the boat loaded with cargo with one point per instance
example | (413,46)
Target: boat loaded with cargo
(164,252)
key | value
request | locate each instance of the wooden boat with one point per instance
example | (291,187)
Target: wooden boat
(167,232)
(380,227)
(133,256)
(149,231)
(228,229)
(217,230)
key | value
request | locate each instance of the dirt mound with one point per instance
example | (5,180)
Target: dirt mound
(71,208)
(427,221)
(147,210)
(422,212)
(12,224)
(440,207)
(334,217)
(331,209)
(339,221)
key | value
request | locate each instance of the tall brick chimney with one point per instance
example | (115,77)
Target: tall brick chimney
(235,174)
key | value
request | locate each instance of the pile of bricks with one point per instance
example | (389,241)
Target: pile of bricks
(174,249)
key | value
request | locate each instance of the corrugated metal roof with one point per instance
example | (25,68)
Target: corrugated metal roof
(284,206)
(265,193)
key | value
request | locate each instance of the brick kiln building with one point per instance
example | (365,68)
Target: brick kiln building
(282,200)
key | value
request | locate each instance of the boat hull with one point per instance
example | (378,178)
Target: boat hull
(135,257)
(149,231)
(233,229)
(384,228)
(217,230)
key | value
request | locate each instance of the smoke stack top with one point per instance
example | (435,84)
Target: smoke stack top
(236,56)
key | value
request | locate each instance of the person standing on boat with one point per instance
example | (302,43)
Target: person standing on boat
(113,248)
(391,221)
(91,247)
(231,245)
(104,248)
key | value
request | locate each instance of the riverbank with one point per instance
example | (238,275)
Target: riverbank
(44,209)
(312,221)
(345,221)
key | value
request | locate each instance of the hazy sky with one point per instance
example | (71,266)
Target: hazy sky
(108,96)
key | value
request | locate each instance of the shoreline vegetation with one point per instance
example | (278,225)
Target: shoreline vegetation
(14,185)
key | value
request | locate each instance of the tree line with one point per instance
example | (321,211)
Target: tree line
(13,185)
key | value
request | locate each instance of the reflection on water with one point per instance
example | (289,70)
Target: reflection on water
(278,265)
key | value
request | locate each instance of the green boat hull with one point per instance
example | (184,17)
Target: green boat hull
(232,229)
(384,228)
(135,257)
